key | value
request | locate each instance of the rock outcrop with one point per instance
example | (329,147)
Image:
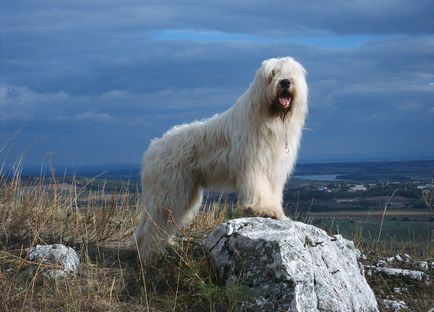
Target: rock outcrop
(290,266)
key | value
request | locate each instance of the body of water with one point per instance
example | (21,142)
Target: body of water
(318,177)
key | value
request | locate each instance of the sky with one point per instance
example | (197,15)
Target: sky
(92,82)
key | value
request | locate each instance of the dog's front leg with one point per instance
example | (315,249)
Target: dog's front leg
(258,199)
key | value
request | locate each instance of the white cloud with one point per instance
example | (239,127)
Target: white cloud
(409,106)
(89,116)
(21,103)
(282,18)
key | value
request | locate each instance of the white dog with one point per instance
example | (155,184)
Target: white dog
(251,149)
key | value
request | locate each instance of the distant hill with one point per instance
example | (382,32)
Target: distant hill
(109,172)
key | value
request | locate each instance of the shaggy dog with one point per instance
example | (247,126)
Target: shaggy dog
(251,149)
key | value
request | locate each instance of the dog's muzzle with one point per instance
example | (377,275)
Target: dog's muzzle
(284,96)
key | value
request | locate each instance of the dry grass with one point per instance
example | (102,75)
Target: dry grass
(100,227)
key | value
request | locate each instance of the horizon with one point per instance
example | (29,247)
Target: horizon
(93,83)
(107,168)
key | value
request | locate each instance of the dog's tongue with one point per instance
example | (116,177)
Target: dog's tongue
(284,101)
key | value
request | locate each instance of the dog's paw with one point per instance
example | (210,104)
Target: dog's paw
(265,213)
(285,218)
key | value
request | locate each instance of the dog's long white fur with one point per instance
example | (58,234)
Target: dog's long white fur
(246,149)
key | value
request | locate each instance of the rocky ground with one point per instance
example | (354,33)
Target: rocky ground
(110,277)
(400,282)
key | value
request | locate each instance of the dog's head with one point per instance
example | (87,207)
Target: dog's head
(285,86)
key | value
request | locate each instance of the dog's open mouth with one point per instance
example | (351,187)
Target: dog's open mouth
(283,102)
(285,99)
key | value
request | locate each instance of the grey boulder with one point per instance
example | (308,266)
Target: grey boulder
(290,266)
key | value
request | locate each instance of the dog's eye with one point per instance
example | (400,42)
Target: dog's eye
(273,73)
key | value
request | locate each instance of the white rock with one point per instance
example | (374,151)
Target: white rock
(399,290)
(57,254)
(390,259)
(399,258)
(406,258)
(421,265)
(291,266)
(432,265)
(395,306)
(381,263)
(412,274)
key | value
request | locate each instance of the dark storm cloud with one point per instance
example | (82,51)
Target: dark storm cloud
(82,78)
(256,16)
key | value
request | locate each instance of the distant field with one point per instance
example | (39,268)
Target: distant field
(372,170)
(374,214)
(399,227)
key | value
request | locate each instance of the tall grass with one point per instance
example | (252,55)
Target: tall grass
(384,212)
(39,212)
(100,226)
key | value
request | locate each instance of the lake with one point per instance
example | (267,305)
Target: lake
(317,177)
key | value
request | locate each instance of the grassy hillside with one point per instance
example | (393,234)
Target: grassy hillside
(99,224)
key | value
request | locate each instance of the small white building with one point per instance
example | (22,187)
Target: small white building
(357,188)
(425,187)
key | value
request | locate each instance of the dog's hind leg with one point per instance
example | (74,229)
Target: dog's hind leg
(163,218)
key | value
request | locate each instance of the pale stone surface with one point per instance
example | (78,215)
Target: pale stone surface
(407,258)
(412,274)
(390,259)
(290,266)
(421,265)
(57,254)
(393,305)
(400,258)
(399,290)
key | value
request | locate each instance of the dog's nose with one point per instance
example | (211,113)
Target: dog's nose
(285,83)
